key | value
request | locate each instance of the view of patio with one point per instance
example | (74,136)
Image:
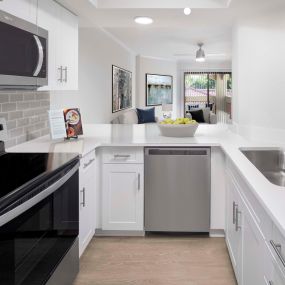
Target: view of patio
(212,90)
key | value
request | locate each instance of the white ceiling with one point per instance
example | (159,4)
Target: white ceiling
(172,32)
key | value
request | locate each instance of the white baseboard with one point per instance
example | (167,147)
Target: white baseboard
(102,233)
(217,233)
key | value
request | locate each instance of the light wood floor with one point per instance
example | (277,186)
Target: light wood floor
(156,261)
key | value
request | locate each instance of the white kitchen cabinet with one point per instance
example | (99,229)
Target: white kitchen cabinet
(254,259)
(244,239)
(87,203)
(273,274)
(62,45)
(253,250)
(67,50)
(123,197)
(24,9)
(234,226)
(48,19)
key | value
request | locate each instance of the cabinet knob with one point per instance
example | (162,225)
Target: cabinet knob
(234,212)
(83,203)
(238,227)
(278,250)
(139,181)
(65,74)
(122,156)
(60,74)
(88,163)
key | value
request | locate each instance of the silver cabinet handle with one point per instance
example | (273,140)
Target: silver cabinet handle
(139,181)
(41,56)
(234,212)
(83,203)
(278,249)
(122,156)
(238,227)
(88,163)
(61,73)
(65,74)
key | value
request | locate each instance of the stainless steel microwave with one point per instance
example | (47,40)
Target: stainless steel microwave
(23,53)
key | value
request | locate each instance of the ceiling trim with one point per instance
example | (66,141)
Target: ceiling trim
(67,8)
(115,39)
(157,58)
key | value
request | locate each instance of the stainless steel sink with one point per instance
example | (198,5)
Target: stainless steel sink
(270,162)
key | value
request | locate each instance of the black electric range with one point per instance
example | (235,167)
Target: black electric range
(39,218)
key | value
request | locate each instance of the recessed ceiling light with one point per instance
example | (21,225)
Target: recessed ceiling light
(187,11)
(143,20)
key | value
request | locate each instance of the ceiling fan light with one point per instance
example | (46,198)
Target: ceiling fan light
(200,59)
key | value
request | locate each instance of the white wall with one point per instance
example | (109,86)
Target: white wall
(154,66)
(258,75)
(97,52)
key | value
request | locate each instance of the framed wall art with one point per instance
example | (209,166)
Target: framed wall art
(159,89)
(121,89)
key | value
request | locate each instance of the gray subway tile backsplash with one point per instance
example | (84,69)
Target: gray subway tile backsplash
(16,97)
(8,107)
(15,115)
(4,98)
(26,115)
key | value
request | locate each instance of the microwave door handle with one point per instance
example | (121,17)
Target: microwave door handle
(41,56)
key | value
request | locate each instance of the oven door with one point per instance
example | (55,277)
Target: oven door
(23,52)
(33,244)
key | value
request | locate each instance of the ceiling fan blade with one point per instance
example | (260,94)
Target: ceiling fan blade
(215,54)
(184,54)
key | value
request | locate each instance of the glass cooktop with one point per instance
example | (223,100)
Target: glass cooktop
(17,169)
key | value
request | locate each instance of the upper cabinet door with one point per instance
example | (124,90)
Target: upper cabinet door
(48,19)
(63,45)
(24,9)
(67,49)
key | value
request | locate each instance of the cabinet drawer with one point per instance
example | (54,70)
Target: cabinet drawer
(123,155)
(258,212)
(277,246)
(273,271)
(87,160)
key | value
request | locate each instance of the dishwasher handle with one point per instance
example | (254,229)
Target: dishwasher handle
(178,151)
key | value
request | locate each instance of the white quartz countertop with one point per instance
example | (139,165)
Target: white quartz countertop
(272,197)
(126,135)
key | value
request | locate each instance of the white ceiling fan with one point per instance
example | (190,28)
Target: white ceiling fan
(200,55)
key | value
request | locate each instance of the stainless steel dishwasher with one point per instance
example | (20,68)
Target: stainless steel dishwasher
(177,189)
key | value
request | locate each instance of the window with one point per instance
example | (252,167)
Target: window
(213,90)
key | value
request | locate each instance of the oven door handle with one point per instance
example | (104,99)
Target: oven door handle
(7,217)
(41,56)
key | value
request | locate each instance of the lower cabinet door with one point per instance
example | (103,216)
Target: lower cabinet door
(253,251)
(123,197)
(234,226)
(87,205)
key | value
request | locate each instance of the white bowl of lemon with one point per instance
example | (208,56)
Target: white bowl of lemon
(181,127)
